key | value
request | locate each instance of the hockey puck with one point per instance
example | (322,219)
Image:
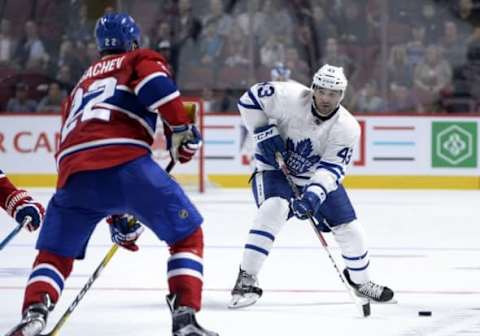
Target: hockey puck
(424,313)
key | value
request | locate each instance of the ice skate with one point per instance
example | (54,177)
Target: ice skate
(184,322)
(246,291)
(370,290)
(34,319)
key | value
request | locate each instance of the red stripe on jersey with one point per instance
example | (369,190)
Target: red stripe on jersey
(103,122)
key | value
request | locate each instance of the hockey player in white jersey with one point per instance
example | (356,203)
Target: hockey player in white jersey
(315,135)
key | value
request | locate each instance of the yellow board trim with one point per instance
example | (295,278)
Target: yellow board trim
(354,181)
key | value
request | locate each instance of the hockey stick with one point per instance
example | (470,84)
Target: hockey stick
(363,305)
(91,280)
(83,291)
(14,232)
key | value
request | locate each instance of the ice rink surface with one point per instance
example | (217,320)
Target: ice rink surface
(423,244)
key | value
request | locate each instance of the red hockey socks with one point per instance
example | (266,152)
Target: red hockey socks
(47,277)
(185,270)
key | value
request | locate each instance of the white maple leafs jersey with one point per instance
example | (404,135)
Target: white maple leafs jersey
(319,151)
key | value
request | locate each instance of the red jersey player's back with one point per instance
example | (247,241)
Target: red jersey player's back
(110,116)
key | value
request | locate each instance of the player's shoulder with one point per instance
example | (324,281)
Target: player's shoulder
(143,54)
(347,121)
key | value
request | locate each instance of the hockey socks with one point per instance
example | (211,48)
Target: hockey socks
(185,270)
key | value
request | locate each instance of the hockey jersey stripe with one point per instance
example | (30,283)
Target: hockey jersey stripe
(163,101)
(150,77)
(101,143)
(255,105)
(263,233)
(333,165)
(127,101)
(184,271)
(356,258)
(155,88)
(256,248)
(145,121)
(49,281)
(358,268)
(184,263)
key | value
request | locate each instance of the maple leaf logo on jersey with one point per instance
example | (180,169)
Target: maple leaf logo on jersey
(300,158)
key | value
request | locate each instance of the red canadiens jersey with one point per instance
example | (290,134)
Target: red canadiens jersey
(6,189)
(110,116)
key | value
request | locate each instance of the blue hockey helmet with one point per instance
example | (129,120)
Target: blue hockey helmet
(116,31)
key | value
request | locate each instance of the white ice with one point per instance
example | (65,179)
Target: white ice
(423,244)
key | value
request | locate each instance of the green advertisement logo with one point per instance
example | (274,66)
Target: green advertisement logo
(454,144)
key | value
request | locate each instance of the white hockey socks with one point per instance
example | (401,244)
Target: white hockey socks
(351,239)
(271,217)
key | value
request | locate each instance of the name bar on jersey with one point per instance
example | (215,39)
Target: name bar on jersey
(103,67)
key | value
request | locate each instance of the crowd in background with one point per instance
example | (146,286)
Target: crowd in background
(400,56)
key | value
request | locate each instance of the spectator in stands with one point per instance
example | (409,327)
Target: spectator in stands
(20,102)
(8,43)
(272,51)
(466,12)
(431,19)
(218,20)
(398,68)
(53,100)
(323,27)
(402,99)
(162,33)
(453,44)
(186,29)
(353,29)
(165,48)
(280,73)
(92,53)
(64,77)
(236,48)
(334,57)
(368,99)
(415,48)
(80,26)
(301,72)
(210,47)
(31,53)
(431,76)
(69,55)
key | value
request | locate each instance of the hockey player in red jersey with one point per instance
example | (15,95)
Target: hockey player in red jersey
(19,204)
(105,168)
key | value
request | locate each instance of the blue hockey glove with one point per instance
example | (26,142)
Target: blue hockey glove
(309,202)
(183,141)
(20,205)
(125,230)
(269,142)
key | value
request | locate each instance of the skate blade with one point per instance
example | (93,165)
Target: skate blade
(239,301)
(392,301)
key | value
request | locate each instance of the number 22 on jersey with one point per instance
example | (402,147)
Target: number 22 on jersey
(85,104)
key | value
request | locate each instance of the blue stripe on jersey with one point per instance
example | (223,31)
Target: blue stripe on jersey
(128,101)
(263,233)
(356,258)
(256,248)
(255,104)
(156,89)
(48,273)
(184,263)
(359,268)
(333,165)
